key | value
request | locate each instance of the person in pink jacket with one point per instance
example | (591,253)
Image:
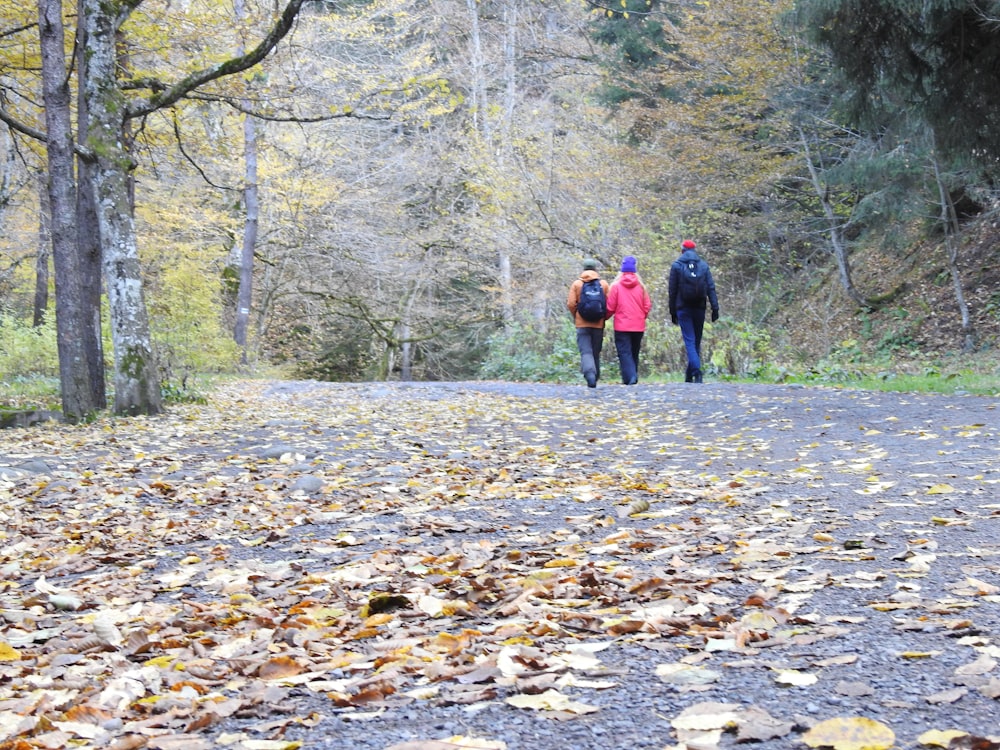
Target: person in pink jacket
(629,304)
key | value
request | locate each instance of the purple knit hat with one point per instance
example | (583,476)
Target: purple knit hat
(628,264)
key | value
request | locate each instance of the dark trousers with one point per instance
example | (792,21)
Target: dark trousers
(590,341)
(692,323)
(628,344)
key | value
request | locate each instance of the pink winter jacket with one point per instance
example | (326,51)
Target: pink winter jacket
(629,302)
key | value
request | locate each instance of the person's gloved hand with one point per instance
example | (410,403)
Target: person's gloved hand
(673,319)
(715,314)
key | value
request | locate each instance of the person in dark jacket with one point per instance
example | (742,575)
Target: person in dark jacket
(691,286)
(589,334)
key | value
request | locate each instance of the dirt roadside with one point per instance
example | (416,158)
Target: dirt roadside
(647,567)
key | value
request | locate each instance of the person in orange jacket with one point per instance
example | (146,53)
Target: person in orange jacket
(589,333)
(629,304)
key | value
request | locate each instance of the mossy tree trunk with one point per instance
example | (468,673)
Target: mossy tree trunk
(136,380)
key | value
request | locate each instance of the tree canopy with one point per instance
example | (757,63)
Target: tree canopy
(421,181)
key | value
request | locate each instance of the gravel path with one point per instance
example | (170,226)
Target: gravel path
(779,554)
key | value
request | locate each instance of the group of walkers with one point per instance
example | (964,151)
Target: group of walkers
(592,301)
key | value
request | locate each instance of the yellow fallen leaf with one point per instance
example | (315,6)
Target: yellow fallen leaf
(562,562)
(940,489)
(940,738)
(919,654)
(8,652)
(160,662)
(850,733)
(823,537)
(758,620)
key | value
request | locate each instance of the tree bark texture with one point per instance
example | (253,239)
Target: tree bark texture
(244,294)
(88,243)
(137,383)
(74,367)
(41,303)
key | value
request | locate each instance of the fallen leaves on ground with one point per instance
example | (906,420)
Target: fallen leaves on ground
(374,548)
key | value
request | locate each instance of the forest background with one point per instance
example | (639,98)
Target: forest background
(405,190)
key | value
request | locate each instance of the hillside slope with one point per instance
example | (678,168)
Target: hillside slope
(919,323)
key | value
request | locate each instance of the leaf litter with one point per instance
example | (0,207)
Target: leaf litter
(467,564)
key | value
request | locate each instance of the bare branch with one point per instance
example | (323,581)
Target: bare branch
(20,127)
(172,94)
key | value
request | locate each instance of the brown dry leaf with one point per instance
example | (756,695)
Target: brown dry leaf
(947,696)
(983,665)
(991,689)
(686,676)
(756,725)
(279,668)
(850,733)
(854,689)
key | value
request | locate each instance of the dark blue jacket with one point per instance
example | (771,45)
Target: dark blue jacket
(675,276)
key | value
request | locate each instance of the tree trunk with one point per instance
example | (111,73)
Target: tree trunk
(88,244)
(837,241)
(952,235)
(244,293)
(137,386)
(74,368)
(41,304)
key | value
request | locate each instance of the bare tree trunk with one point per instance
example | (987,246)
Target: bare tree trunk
(41,304)
(88,243)
(137,384)
(504,148)
(406,354)
(244,293)
(837,241)
(480,118)
(952,242)
(74,369)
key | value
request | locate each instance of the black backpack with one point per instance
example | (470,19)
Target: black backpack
(692,285)
(593,305)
